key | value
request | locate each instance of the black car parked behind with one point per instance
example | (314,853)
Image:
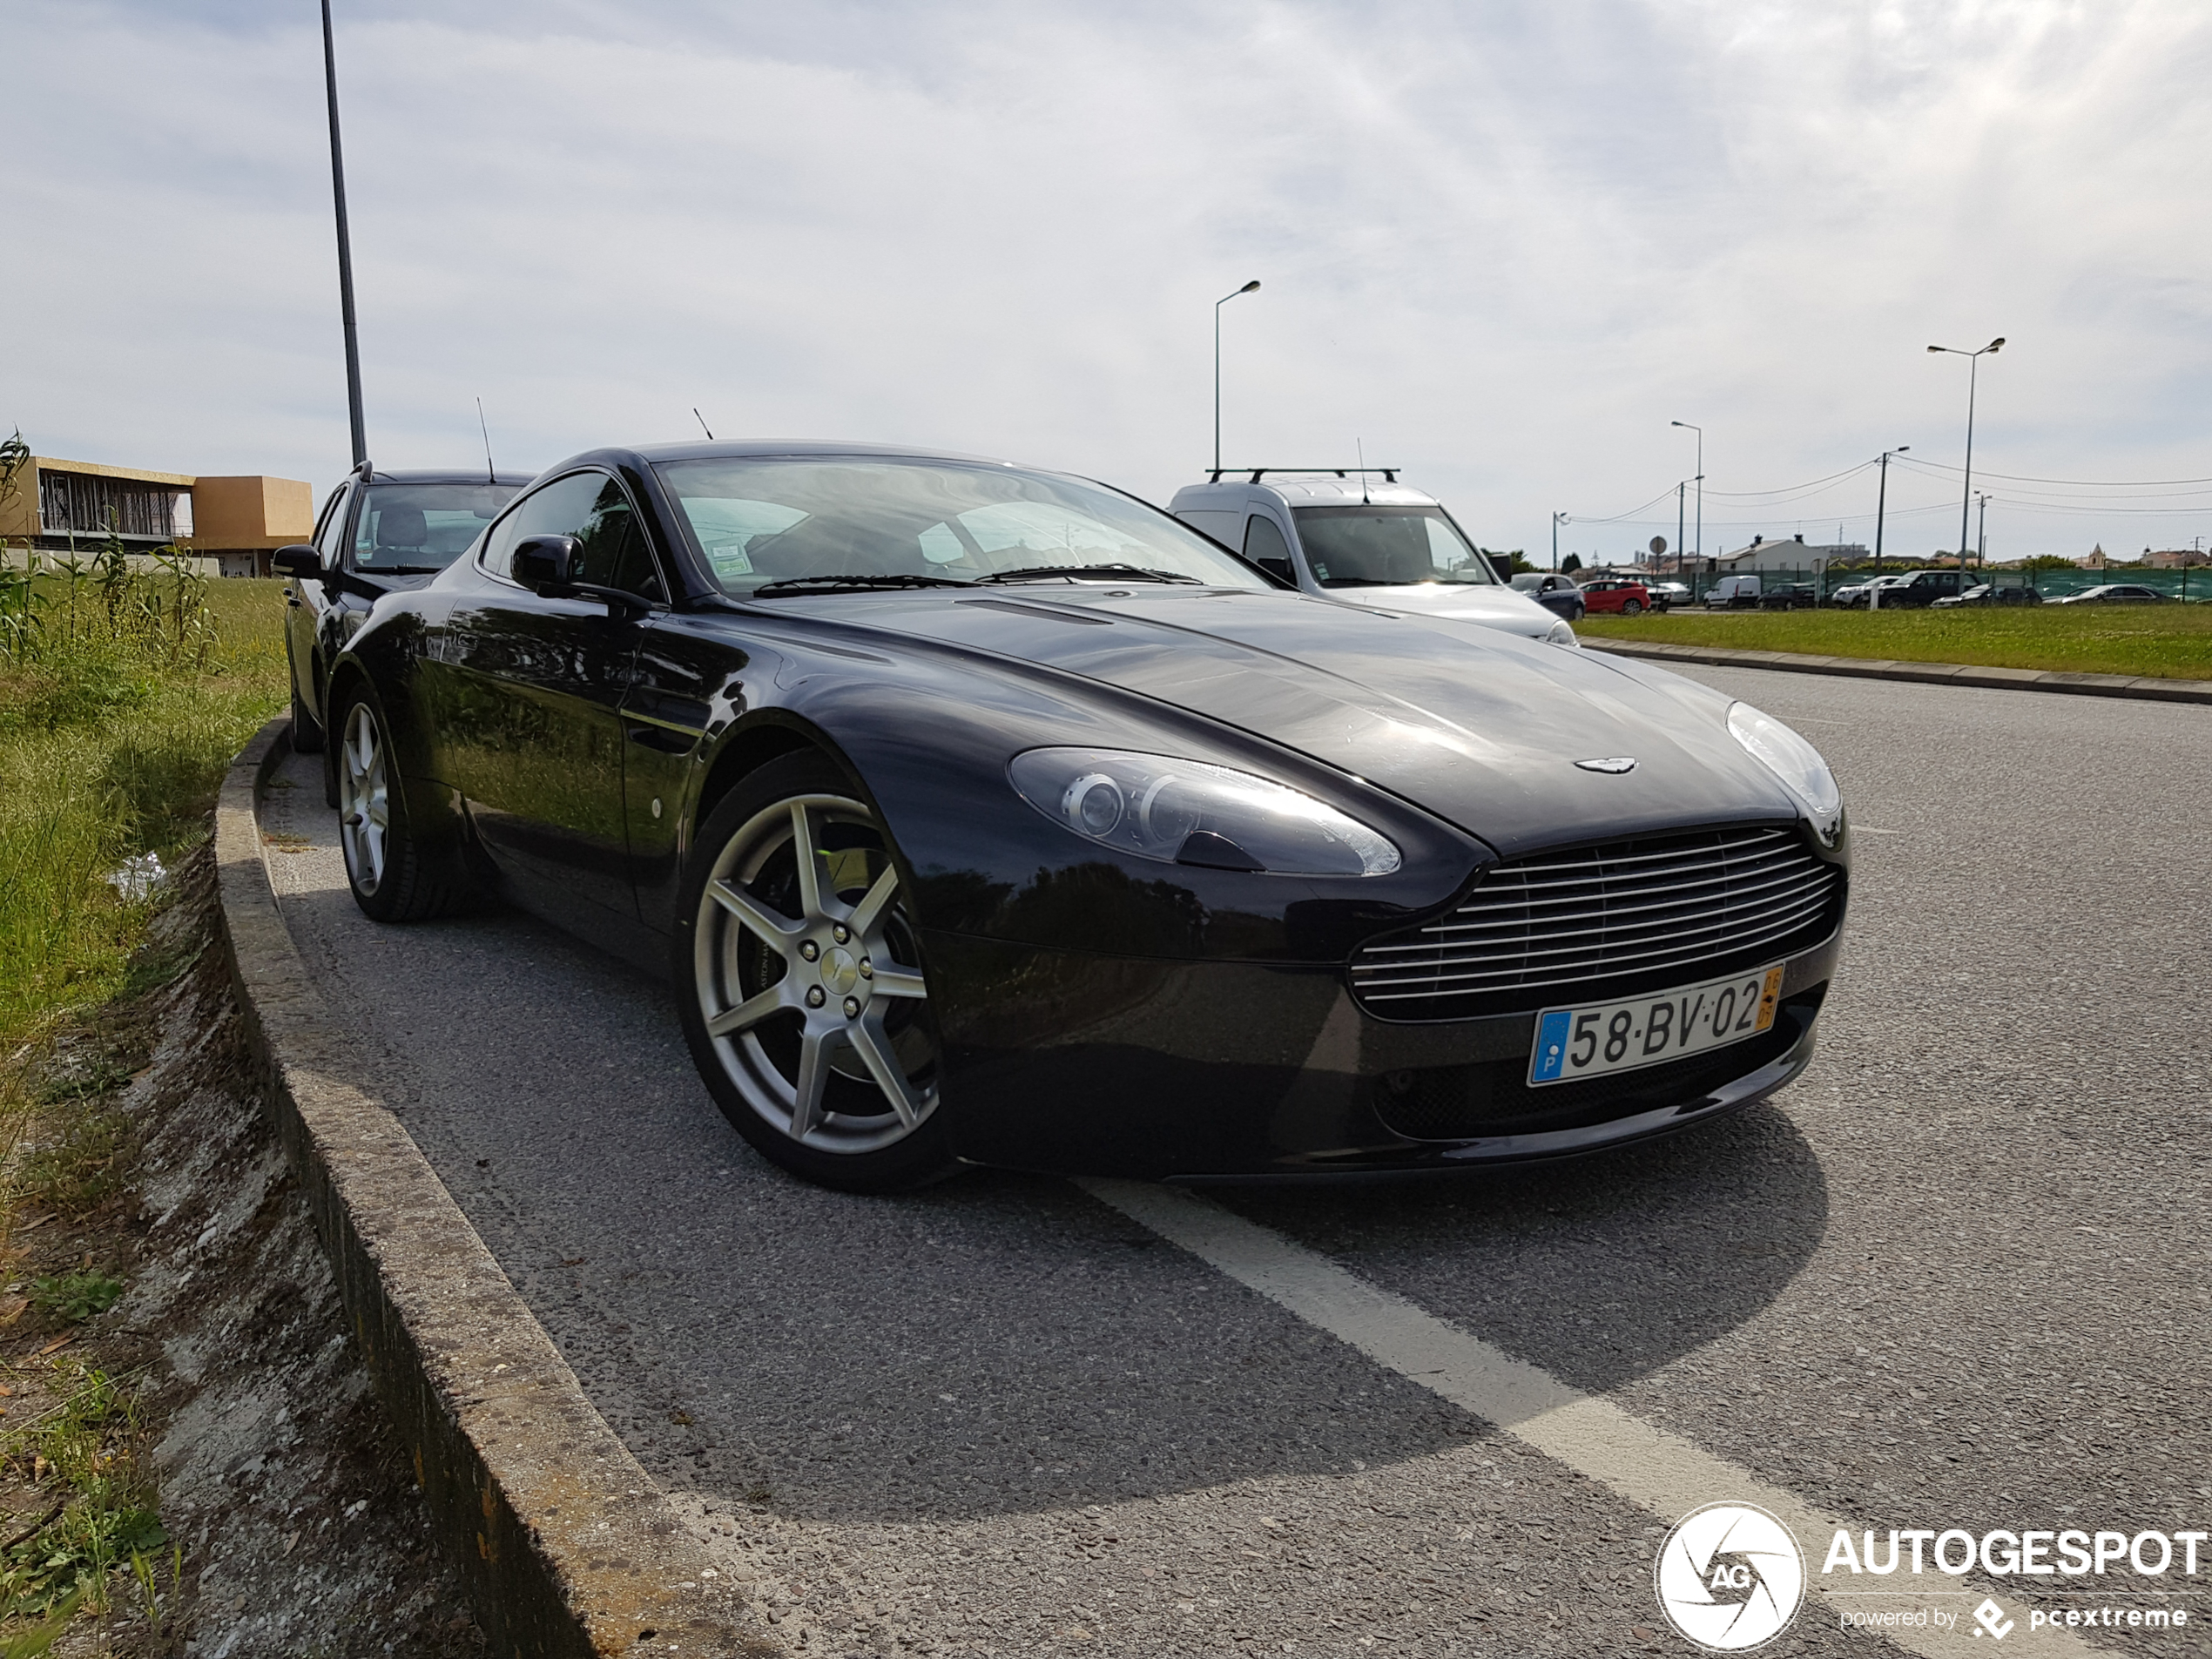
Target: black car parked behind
(396,529)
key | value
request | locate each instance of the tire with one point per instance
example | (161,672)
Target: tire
(391,878)
(1632,607)
(1581,611)
(805,1004)
(308,736)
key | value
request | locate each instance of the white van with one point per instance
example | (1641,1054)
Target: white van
(1342,535)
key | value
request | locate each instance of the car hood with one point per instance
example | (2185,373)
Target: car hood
(1507,608)
(1477,725)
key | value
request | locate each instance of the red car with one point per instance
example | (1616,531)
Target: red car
(1617,593)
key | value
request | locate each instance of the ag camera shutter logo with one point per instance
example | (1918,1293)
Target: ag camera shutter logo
(1729,1577)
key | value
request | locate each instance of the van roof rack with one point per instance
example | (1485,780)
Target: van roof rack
(1389,473)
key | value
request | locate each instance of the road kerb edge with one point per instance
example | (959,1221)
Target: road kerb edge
(568,1546)
(2010,679)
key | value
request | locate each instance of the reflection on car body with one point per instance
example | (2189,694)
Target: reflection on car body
(980,814)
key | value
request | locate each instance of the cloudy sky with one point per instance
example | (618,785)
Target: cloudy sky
(1503,245)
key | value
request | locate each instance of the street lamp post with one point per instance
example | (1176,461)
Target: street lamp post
(1557,520)
(1882,502)
(1699,431)
(1981,539)
(1966,498)
(345,251)
(1680,490)
(1249,287)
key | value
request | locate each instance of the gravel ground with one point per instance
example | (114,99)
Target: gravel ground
(1955,1277)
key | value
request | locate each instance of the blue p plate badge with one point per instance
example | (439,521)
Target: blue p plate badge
(1551,1045)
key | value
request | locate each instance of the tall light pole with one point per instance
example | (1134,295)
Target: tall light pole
(1966,496)
(1699,431)
(1882,502)
(1249,287)
(1557,520)
(1981,539)
(345,250)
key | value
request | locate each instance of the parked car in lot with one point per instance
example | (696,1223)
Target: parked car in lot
(1920,589)
(1386,546)
(1733,593)
(379,534)
(2114,593)
(1616,596)
(1984,593)
(985,815)
(1560,595)
(1665,596)
(1789,595)
(1858,595)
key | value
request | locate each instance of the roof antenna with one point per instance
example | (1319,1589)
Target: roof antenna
(491,473)
(701,419)
(1362,448)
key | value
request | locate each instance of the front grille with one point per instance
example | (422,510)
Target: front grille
(1597,922)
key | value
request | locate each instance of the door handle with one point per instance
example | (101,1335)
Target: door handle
(663,739)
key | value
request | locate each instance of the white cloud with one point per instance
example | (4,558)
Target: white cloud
(1502,245)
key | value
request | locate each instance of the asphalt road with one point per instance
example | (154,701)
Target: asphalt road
(1957,1277)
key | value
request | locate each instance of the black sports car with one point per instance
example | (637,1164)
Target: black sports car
(989,815)
(378,534)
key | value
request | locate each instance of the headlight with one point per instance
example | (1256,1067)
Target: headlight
(1188,811)
(1790,758)
(1562,634)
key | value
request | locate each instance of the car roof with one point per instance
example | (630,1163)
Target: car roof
(748,449)
(1316,489)
(448,476)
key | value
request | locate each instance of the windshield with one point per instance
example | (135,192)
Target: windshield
(422,527)
(839,521)
(1372,547)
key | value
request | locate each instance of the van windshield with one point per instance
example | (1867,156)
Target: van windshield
(1388,547)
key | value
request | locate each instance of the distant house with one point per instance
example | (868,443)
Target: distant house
(2175,558)
(1793,553)
(236,521)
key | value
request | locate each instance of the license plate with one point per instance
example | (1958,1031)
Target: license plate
(1592,1040)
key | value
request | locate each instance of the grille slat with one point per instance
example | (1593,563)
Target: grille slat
(1457,933)
(1617,919)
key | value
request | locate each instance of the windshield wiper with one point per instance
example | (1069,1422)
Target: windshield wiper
(1118,572)
(885,580)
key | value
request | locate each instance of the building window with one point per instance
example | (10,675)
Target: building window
(87,505)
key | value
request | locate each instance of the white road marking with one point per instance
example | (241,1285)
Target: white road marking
(1657,1471)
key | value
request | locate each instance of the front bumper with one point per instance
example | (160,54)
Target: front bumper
(1077,1063)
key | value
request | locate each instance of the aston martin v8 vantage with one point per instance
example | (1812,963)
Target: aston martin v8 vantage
(987,815)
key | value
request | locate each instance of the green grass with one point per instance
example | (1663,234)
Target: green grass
(112,744)
(2171,640)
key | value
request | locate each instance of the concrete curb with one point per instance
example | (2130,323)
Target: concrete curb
(566,1544)
(2007,679)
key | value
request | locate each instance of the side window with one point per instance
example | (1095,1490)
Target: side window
(1264,546)
(561,507)
(615,553)
(333,527)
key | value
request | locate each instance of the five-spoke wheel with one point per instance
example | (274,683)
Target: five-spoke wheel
(805,1000)
(364,800)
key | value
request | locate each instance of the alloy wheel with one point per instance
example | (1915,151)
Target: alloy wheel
(364,800)
(805,969)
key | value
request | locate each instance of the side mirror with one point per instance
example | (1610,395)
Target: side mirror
(1280,569)
(300,562)
(1502,563)
(547,564)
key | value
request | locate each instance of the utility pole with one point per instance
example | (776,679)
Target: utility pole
(1981,540)
(345,253)
(1699,431)
(1557,520)
(1882,502)
(1680,490)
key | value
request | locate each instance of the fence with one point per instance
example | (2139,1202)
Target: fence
(2195,586)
